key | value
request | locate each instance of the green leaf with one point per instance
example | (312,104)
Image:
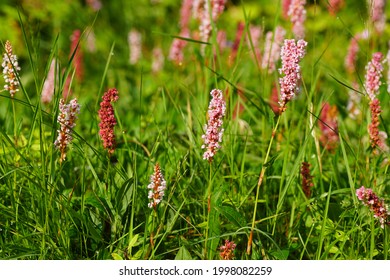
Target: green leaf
(183,254)
(232,215)
(116,257)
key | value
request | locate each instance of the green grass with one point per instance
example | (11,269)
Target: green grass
(94,206)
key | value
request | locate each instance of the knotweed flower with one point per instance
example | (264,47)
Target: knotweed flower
(49,84)
(134,40)
(373,127)
(214,131)
(388,68)
(158,60)
(375,204)
(185,13)
(67,117)
(335,6)
(353,50)
(256,33)
(10,70)
(107,120)
(78,55)
(156,187)
(237,40)
(373,75)
(272,48)
(176,52)
(353,103)
(329,127)
(291,54)
(297,14)
(227,250)
(201,11)
(307,179)
(285,8)
(377,13)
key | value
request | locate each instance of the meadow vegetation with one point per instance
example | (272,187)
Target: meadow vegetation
(135,130)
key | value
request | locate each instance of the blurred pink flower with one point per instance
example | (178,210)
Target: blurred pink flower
(354,100)
(351,57)
(375,204)
(256,32)
(297,14)
(78,55)
(237,41)
(176,53)
(158,60)
(185,13)
(201,10)
(285,8)
(135,45)
(214,131)
(377,14)
(373,75)
(10,70)
(227,250)
(156,187)
(272,47)
(329,127)
(291,54)
(49,84)
(335,6)
(96,5)
(107,120)
(67,117)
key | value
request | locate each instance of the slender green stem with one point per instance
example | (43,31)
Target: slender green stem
(259,182)
(208,211)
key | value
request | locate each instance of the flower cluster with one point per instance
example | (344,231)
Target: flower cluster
(373,75)
(49,84)
(227,250)
(297,14)
(272,47)
(214,130)
(107,120)
(201,9)
(329,127)
(373,127)
(10,69)
(307,179)
(291,54)
(376,205)
(67,117)
(156,187)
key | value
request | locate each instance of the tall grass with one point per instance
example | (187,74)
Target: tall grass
(95,206)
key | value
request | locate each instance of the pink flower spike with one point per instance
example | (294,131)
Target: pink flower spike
(375,204)
(373,75)
(291,54)
(107,120)
(10,70)
(227,250)
(49,84)
(272,49)
(67,117)
(214,131)
(329,127)
(297,14)
(134,41)
(156,187)
(373,127)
